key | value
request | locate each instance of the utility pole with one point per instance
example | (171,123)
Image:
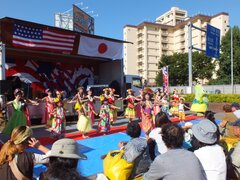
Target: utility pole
(190,56)
(2,61)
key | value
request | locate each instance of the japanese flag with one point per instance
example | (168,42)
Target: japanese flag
(95,47)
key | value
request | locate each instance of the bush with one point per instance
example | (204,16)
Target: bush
(216,98)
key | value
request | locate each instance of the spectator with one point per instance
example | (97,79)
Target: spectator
(160,119)
(227,129)
(235,160)
(210,154)
(210,116)
(236,109)
(176,163)
(63,161)
(136,150)
(15,163)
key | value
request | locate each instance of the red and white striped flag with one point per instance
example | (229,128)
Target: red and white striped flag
(42,39)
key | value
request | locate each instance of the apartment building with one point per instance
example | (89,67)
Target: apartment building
(168,35)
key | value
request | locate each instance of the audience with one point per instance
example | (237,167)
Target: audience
(136,150)
(176,163)
(236,109)
(210,154)
(15,162)
(63,161)
(160,119)
(227,129)
(210,116)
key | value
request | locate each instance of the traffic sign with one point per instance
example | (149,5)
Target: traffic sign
(213,41)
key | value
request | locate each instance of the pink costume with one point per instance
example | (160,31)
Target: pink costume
(138,108)
(91,108)
(156,108)
(47,116)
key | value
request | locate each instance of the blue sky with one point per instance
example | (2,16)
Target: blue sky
(114,14)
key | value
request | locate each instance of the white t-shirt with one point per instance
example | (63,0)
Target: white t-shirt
(181,107)
(160,148)
(237,113)
(213,161)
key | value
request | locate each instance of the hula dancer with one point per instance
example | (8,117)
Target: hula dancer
(104,123)
(111,101)
(79,96)
(50,105)
(18,117)
(59,121)
(130,109)
(147,114)
(138,107)
(157,102)
(84,122)
(91,102)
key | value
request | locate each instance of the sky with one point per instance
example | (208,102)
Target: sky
(113,15)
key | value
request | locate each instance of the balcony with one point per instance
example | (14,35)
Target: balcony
(164,47)
(164,40)
(164,33)
(140,48)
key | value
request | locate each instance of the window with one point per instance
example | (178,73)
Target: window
(137,82)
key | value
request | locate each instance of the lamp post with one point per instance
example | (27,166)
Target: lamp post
(231,32)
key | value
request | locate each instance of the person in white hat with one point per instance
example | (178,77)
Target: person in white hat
(207,150)
(63,159)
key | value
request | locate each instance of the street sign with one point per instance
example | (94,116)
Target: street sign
(213,42)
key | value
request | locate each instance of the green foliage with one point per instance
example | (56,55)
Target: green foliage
(224,72)
(203,67)
(217,98)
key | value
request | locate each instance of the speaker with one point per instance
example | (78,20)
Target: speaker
(6,87)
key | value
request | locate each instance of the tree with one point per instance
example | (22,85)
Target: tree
(224,71)
(203,68)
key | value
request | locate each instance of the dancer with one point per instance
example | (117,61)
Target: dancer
(59,120)
(18,117)
(79,96)
(157,102)
(111,101)
(26,101)
(104,123)
(138,106)
(181,112)
(49,106)
(84,122)
(147,114)
(130,109)
(91,102)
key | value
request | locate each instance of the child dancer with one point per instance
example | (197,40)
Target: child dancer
(130,109)
(91,102)
(111,101)
(104,123)
(138,107)
(181,112)
(84,123)
(147,114)
(79,96)
(59,120)
(50,105)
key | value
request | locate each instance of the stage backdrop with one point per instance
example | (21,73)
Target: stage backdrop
(54,75)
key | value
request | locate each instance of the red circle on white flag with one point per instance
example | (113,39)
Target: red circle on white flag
(102,48)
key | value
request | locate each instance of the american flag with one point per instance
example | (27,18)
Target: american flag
(165,79)
(42,39)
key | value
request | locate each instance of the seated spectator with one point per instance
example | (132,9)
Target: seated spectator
(15,162)
(160,119)
(235,160)
(176,163)
(136,150)
(210,154)
(63,161)
(210,116)
(236,109)
(226,128)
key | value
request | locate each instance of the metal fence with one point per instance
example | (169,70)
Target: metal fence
(211,89)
